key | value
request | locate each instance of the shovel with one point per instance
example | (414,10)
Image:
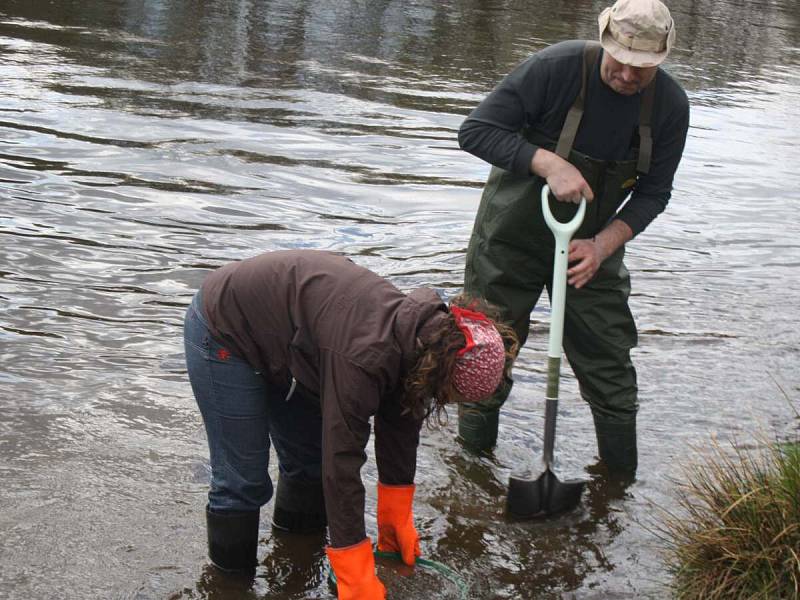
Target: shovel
(545,496)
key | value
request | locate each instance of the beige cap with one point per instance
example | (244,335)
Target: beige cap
(639,33)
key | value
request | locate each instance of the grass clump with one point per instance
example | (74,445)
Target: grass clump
(736,533)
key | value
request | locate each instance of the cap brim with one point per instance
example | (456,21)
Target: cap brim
(634,58)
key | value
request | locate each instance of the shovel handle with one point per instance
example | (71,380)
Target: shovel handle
(559,229)
(562,232)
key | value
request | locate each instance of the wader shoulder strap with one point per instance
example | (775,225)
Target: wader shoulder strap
(570,129)
(645,130)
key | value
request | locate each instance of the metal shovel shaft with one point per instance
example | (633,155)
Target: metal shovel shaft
(551,408)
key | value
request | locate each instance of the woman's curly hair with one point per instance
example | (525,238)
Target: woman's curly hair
(429,384)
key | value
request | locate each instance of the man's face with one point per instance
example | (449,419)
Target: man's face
(625,79)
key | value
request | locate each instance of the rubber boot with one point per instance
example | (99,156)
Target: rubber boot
(477,426)
(299,506)
(232,539)
(616,444)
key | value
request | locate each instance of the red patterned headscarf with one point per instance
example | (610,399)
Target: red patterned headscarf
(480,363)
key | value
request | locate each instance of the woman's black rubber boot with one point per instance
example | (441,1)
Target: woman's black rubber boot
(232,539)
(299,506)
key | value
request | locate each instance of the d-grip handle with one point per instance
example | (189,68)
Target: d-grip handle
(559,229)
(562,232)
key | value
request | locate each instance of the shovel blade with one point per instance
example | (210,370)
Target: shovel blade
(542,497)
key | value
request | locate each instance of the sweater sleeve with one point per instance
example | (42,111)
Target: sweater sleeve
(492,131)
(653,190)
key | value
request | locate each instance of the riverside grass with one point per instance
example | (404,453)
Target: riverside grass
(738,534)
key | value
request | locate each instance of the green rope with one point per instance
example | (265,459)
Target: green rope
(445,571)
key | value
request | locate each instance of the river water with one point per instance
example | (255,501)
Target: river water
(145,142)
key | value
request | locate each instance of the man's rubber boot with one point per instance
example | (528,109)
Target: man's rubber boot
(616,444)
(233,539)
(477,426)
(299,506)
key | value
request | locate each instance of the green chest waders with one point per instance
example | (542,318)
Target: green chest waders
(510,258)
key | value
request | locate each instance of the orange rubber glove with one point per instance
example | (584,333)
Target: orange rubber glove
(396,532)
(354,567)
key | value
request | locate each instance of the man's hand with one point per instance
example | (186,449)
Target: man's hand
(586,256)
(565,181)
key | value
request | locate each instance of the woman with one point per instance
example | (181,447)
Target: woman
(302,348)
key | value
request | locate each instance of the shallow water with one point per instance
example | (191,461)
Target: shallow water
(145,142)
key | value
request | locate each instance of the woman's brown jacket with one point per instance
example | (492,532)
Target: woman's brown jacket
(343,333)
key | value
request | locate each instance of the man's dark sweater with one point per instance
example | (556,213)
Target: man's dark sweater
(538,94)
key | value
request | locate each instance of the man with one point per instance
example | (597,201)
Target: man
(600,121)
(302,349)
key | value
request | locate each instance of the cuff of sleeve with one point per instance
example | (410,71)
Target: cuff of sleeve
(522,161)
(366,540)
(397,486)
(636,225)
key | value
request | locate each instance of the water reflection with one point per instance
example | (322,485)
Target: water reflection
(500,551)
(364,49)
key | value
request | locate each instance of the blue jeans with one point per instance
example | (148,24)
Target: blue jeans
(242,412)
